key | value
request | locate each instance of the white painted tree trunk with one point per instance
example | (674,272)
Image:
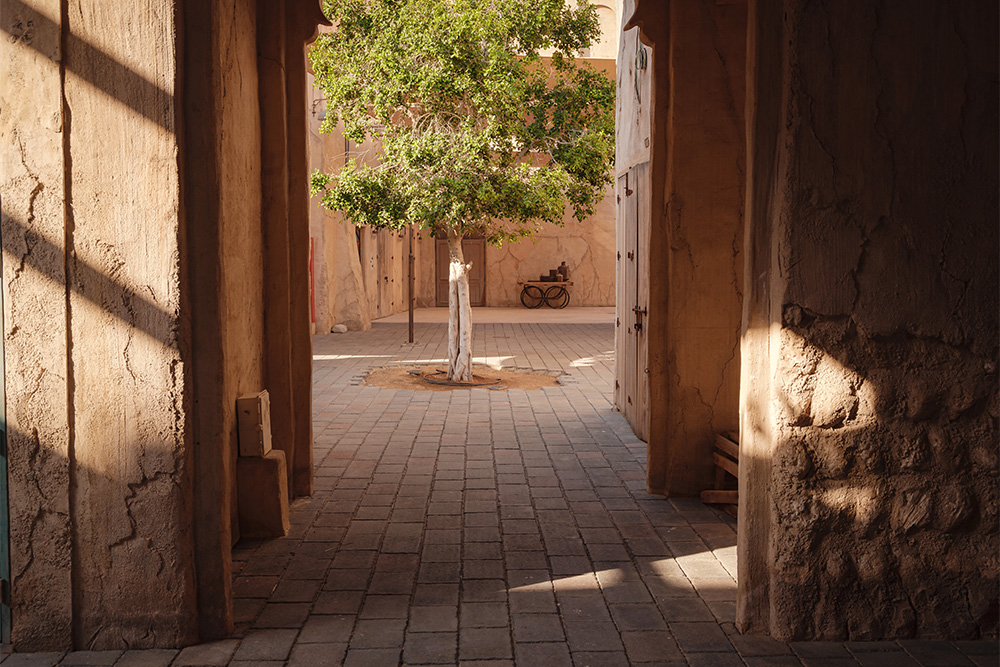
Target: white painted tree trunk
(459,313)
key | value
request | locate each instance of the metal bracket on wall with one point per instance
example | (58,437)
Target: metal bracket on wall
(641,60)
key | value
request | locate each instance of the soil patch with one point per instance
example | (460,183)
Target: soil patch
(401,377)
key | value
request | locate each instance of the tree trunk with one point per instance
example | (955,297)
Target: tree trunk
(459,313)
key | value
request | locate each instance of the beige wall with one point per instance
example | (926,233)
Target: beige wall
(134,284)
(869,400)
(95,342)
(360,282)
(687,121)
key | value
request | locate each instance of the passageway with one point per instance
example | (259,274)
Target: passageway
(498,526)
(475,525)
(492,527)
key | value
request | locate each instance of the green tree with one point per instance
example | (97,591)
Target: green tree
(485,121)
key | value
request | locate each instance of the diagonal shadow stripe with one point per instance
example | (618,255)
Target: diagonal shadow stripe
(92,65)
(126,304)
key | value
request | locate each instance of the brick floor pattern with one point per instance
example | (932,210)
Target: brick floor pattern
(490,528)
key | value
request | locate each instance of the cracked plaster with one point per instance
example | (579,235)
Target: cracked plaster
(881,464)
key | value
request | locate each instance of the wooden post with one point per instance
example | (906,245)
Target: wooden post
(409,280)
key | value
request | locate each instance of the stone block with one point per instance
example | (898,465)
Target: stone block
(262,487)
(253,415)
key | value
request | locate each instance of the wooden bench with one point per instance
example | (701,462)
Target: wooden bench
(726,458)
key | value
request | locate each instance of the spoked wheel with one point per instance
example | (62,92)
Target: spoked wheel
(557,296)
(531,297)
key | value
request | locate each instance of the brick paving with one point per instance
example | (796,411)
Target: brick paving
(491,528)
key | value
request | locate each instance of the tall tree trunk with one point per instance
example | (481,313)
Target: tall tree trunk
(459,313)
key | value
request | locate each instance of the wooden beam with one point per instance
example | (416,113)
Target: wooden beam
(727,446)
(728,497)
(726,465)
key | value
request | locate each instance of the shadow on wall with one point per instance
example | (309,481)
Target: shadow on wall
(26,249)
(883,484)
(95,61)
(102,550)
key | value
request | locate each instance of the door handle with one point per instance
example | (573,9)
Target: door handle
(639,312)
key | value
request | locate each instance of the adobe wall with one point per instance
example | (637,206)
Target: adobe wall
(693,254)
(134,307)
(356,285)
(97,380)
(869,477)
(33,193)
(317,230)
(222,152)
(587,247)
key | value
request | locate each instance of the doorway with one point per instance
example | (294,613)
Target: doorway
(474,249)
(631,386)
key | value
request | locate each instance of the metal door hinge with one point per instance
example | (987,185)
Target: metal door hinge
(5,592)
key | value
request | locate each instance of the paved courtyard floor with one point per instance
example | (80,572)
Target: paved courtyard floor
(492,528)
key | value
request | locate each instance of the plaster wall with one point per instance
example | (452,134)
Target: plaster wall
(587,247)
(100,496)
(320,281)
(695,146)
(363,271)
(870,394)
(223,204)
(36,358)
(134,306)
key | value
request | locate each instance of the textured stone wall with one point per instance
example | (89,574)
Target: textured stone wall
(102,554)
(32,188)
(870,391)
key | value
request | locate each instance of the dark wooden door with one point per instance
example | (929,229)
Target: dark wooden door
(474,250)
(632,285)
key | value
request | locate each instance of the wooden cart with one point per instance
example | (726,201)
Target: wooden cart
(553,294)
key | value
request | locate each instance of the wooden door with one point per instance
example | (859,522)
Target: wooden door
(474,250)
(632,287)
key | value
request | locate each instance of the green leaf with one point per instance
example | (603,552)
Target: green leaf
(484,120)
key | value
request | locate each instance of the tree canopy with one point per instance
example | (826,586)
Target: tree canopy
(485,120)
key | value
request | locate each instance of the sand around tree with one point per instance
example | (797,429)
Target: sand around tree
(412,377)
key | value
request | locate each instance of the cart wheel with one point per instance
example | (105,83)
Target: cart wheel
(557,296)
(531,297)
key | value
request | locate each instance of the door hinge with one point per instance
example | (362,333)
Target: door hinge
(5,592)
